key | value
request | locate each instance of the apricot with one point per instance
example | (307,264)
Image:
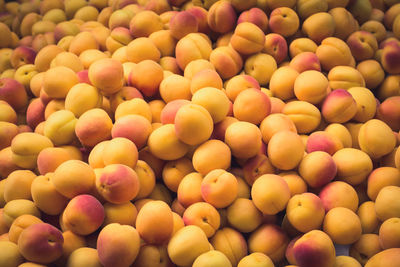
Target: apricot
(20,224)
(314,94)
(244,139)
(260,105)
(363,45)
(305,116)
(319,26)
(165,43)
(17,207)
(196,243)
(376,147)
(255,167)
(193,124)
(212,257)
(84,256)
(284,21)
(275,123)
(46,197)
(8,131)
(366,247)
(270,193)
(21,179)
(301,45)
(305,61)
(243,215)
(339,194)
(83,41)
(107,75)
(239,83)
(285,150)
(386,205)
(150,216)
(174,171)
(205,78)
(339,106)
(305,212)
(118,244)
(73,177)
(314,248)
(203,215)
(218,105)
(148,50)
(147,179)
(83,215)
(219,188)
(10,256)
(135,106)
(256,259)
(24,154)
(93,126)
(7,165)
(261,66)
(387,112)
(145,23)
(353,171)
(150,69)
(120,150)
(189,189)
(256,16)
(41,243)
(333,52)
(388,256)
(117,183)
(296,184)
(175,87)
(221,17)
(248,38)
(346,261)
(82,97)
(342,225)
(283,88)
(388,61)
(150,255)
(191,47)
(317,168)
(8,114)
(211,155)
(231,243)
(381,177)
(183,23)
(366,103)
(389,234)
(226,60)
(369,221)
(45,56)
(323,141)
(270,240)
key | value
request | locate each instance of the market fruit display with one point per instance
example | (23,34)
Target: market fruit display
(216,133)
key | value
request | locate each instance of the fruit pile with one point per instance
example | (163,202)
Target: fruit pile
(156,133)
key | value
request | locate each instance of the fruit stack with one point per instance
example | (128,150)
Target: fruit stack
(157,133)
